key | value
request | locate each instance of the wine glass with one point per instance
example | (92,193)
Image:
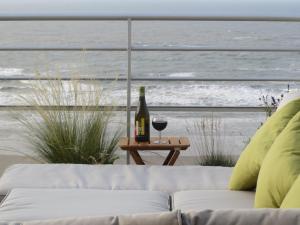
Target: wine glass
(159,123)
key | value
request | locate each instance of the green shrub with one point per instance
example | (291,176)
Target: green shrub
(60,135)
(208,139)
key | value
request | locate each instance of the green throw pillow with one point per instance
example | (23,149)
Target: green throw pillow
(292,199)
(245,173)
(280,168)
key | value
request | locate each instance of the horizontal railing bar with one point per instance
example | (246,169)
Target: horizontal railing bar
(62,49)
(214,49)
(133,108)
(214,80)
(147,79)
(161,49)
(145,18)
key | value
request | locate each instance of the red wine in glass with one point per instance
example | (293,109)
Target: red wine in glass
(159,123)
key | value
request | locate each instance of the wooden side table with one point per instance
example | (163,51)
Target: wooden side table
(173,144)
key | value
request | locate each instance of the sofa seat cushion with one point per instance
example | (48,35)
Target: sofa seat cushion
(38,204)
(213,199)
(114,177)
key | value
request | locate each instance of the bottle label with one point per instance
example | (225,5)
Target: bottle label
(140,127)
(135,129)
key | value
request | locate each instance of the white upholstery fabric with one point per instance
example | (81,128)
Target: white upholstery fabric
(213,199)
(39,204)
(114,177)
(179,178)
(292,95)
(1,198)
(164,218)
(242,217)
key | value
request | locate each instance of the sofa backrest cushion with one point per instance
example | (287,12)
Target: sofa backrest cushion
(171,218)
(280,168)
(115,177)
(292,199)
(245,173)
(242,217)
(204,217)
(288,97)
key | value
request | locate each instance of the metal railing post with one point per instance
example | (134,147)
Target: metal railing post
(128,108)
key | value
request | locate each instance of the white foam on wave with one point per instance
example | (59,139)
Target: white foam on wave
(179,94)
(8,98)
(184,74)
(245,38)
(208,95)
(283,69)
(11,71)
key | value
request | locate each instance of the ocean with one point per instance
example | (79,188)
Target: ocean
(238,127)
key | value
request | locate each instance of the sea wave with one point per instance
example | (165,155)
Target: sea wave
(245,38)
(195,94)
(11,71)
(283,69)
(169,92)
(252,38)
(14,89)
(183,74)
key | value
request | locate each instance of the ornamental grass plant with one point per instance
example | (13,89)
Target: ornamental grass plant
(208,138)
(76,129)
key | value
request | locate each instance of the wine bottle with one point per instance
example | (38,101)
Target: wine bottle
(142,119)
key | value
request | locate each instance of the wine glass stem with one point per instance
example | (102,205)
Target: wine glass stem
(159,140)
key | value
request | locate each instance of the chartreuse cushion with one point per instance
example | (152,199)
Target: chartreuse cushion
(245,173)
(280,168)
(292,199)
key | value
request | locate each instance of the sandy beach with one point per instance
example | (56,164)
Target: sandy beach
(8,160)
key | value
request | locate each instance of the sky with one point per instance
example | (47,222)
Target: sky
(286,8)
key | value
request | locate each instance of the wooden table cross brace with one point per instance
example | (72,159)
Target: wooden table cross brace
(172,144)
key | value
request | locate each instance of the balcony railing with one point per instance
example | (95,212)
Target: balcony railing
(132,48)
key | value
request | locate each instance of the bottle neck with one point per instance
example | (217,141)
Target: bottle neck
(142,100)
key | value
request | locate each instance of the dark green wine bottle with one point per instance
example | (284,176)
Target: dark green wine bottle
(142,119)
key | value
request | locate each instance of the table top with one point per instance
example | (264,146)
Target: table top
(172,143)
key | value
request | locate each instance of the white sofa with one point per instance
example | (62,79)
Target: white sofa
(40,192)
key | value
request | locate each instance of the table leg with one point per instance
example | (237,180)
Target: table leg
(174,158)
(169,157)
(136,157)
